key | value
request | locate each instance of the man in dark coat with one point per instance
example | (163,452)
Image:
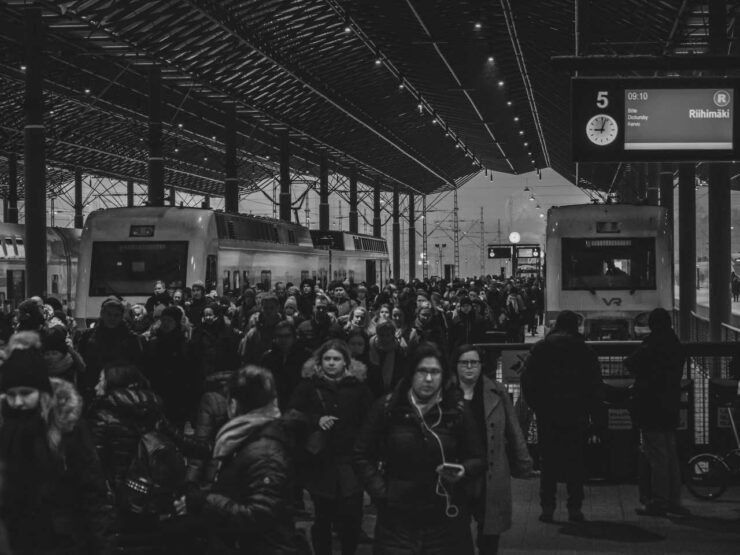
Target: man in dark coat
(285,360)
(562,383)
(245,508)
(159,301)
(658,367)
(194,308)
(315,331)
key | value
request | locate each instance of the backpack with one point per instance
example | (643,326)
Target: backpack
(154,478)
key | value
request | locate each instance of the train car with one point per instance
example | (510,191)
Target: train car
(62,254)
(354,256)
(611,264)
(125,250)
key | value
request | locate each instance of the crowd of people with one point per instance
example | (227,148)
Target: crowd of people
(195,423)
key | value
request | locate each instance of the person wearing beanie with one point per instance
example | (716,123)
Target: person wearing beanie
(214,343)
(290,311)
(306,299)
(61,360)
(258,340)
(194,308)
(51,468)
(245,504)
(30,316)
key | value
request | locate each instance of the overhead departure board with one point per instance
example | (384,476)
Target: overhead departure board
(654,119)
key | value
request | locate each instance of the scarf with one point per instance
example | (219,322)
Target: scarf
(238,429)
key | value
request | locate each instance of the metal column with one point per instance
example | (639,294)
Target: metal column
(353,219)
(78,199)
(686,247)
(396,232)
(34,155)
(424,250)
(12,188)
(172,197)
(412,238)
(456,239)
(666,190)
(231,182)
(324,193)
(156,158)
(130,192)
(285,193)
(377,227)
(720,308)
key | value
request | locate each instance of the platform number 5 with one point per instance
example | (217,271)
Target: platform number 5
(601,99)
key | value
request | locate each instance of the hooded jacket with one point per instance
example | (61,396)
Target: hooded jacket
(68,504)
(657,365)
(329,474)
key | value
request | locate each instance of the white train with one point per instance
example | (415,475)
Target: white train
(125,250)
(611,264)
(62,253)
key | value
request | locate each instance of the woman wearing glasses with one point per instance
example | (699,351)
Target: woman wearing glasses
(423,437)
(505,447)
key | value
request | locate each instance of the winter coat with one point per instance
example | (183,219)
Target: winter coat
(329,473)
(467,329)
(562,383)
(246,508)
(172,374)
(69,505)
(100,346)
(286,369)
(161,301)
(393,435)
(194,311)
(257,340)
(429,332)
(117,422)
(375,369)
(214,348)
(313,334)
(212,415)
(506,456)
(657,365)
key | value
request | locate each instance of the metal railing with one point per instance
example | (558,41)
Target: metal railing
(707,367)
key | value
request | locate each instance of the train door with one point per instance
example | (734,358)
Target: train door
(211,272)
(16,280)
(370,276)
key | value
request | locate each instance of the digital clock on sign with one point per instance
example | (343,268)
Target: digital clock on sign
(602,129)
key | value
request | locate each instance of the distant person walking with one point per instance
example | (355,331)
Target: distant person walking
(562,383)
(658,367)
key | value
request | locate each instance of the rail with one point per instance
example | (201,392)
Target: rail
(730,333)
(706,377)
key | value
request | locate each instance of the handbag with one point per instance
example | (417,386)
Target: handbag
(316,441)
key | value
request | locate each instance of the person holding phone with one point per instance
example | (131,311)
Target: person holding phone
(506,448)
(417,450)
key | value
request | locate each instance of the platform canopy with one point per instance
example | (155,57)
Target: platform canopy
(423,94)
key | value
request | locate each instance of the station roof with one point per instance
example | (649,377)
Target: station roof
(415,93)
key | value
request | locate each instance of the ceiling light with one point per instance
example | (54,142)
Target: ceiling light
(538,206)
(490,59)
(500,83)
(521,132)
(531,197)
(526,188)
(457,145)
(420,106)
(213,137)
(508,102)
(542,215)
(401,85)
(179,125)
(526,143)
(347,29)
(177,150)
(87,91)
(478,25)
(516,118)
(23,68)
(205,158)
(434,121)
(378,61)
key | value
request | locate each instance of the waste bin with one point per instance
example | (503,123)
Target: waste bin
(721,393)
(621,438)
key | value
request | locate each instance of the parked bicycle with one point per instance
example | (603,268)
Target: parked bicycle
(709,475)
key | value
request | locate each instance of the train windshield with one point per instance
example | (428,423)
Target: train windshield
(623,263)
(131,267)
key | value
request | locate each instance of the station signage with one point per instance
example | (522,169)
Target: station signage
(654,119)
(499,252)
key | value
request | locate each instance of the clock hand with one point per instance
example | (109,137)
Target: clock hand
(603,124)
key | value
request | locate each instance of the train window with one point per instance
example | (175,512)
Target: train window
(237,281)
(305,275)
(55,284)
(266,279)
(226,282)
(20,249)
(245,278)
(130,267)
(5,249)
(351,275)
(12,251)
(624,263)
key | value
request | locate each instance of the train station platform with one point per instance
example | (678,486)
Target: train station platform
(613,527)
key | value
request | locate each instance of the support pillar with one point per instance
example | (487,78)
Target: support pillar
(130,192)
(652,183)
(377,227)
(424,246)
(324,193)
(34,155)
(156,158)
(78,199)
(12,188)
(720,307)
(231,182)
(206,202)
(353,218)
(412,238)
(396,232)
(686,247)
(666,190)
(285,193)
(172,196)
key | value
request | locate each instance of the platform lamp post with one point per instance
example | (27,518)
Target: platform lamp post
(440,246)
(328,242)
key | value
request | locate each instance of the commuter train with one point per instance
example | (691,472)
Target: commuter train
(125,250)
(62,253)
(611,264)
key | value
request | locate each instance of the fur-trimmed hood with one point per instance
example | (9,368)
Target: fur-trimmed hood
(357,369)
(66,406)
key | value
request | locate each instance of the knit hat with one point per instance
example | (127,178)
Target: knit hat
(25,368)
(112,301)
(198,283)
(54,339)
(291,302)
(30,316)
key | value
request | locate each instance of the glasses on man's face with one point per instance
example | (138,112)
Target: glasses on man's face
(468,363)
(431,372)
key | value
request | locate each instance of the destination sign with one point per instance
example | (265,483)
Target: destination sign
(660,119)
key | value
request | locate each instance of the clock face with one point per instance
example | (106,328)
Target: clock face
(602,129)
